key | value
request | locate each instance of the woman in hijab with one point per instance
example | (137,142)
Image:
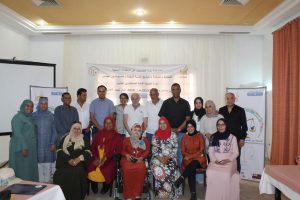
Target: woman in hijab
(73,155)
(192,146)
(46,138)
(23,142)
(164,160)
(208,121)
(222,176)
(135,149)
(198,111)
(102,168)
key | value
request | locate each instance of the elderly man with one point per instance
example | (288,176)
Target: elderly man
(153,108)
(236,121)
(134,113)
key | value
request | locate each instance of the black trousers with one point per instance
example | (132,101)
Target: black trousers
(190,173)
(238,159)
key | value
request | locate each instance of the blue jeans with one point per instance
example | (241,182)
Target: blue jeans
(179,154)
(149,137)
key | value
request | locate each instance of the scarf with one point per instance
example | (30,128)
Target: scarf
(22,108)
(163,134)
(137,142)
(199,112)
(73,138)
(213,106)
(193,123)
(106,135)
(38,107)
(216,137)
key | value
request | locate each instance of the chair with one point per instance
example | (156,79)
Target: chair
(148,184)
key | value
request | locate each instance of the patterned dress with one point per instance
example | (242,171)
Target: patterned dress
(165,175)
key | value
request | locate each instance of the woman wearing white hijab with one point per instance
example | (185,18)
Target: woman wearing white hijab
(73,155)
(208,121)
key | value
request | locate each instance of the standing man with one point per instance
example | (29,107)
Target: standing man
(65,115)
(83,109)
(236,121)
(177,110)
(134,113)
(100,108)
(153,107)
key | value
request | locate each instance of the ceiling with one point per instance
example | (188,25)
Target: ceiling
(103,12)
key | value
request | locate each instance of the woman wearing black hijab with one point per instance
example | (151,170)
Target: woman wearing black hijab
(198,111)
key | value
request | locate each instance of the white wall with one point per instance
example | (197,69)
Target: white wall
(12,44)
(216,61)
(49,49)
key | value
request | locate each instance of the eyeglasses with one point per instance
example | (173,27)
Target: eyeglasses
(220,124)
(208,106)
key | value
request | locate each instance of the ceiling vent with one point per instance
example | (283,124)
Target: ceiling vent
(234,2)
(234,33)
(47,3)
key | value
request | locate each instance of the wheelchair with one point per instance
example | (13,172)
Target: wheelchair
(148,183)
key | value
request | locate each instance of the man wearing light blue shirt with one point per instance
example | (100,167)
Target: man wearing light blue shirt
(101,108)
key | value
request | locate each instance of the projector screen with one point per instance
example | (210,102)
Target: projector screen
(15,80)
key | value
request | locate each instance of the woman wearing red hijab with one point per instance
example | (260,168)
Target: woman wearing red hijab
(102,168)
(164,160)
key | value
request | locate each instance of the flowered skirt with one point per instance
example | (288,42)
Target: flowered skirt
(165,176)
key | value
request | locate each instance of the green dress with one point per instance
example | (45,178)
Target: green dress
(23,137)
(72,180)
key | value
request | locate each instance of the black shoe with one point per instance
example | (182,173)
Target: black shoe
(193,196)
(94,187)
(105,188)
(179,181)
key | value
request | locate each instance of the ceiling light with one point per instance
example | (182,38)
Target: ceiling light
(172,22)
(113,22)
(41,22)
(143,22)
(139,12)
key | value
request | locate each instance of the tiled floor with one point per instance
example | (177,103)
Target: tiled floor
(249,191)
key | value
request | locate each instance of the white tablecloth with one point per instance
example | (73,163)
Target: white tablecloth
(51,192)
(267,186)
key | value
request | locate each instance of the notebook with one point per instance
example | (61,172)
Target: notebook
(29,189)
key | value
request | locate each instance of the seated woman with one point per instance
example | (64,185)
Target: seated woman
(102,168)
(164,160)
(135,150)
(223,180)
(73,155)
(192,148)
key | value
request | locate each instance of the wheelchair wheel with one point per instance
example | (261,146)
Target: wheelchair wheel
(150,195)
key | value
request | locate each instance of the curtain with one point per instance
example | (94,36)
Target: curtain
(286,97)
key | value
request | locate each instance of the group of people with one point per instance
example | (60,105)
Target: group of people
(77,144)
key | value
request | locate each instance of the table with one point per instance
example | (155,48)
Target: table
(50,192)
(281,178)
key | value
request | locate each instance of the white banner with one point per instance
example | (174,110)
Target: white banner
(53,95)
(137,78)
(253,100)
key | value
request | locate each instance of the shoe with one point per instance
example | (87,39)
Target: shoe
(105,188)
(94,187)
(193,196)
(179,181)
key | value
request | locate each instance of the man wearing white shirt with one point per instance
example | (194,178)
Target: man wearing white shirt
(153,108)
(134,113)
(83,109)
